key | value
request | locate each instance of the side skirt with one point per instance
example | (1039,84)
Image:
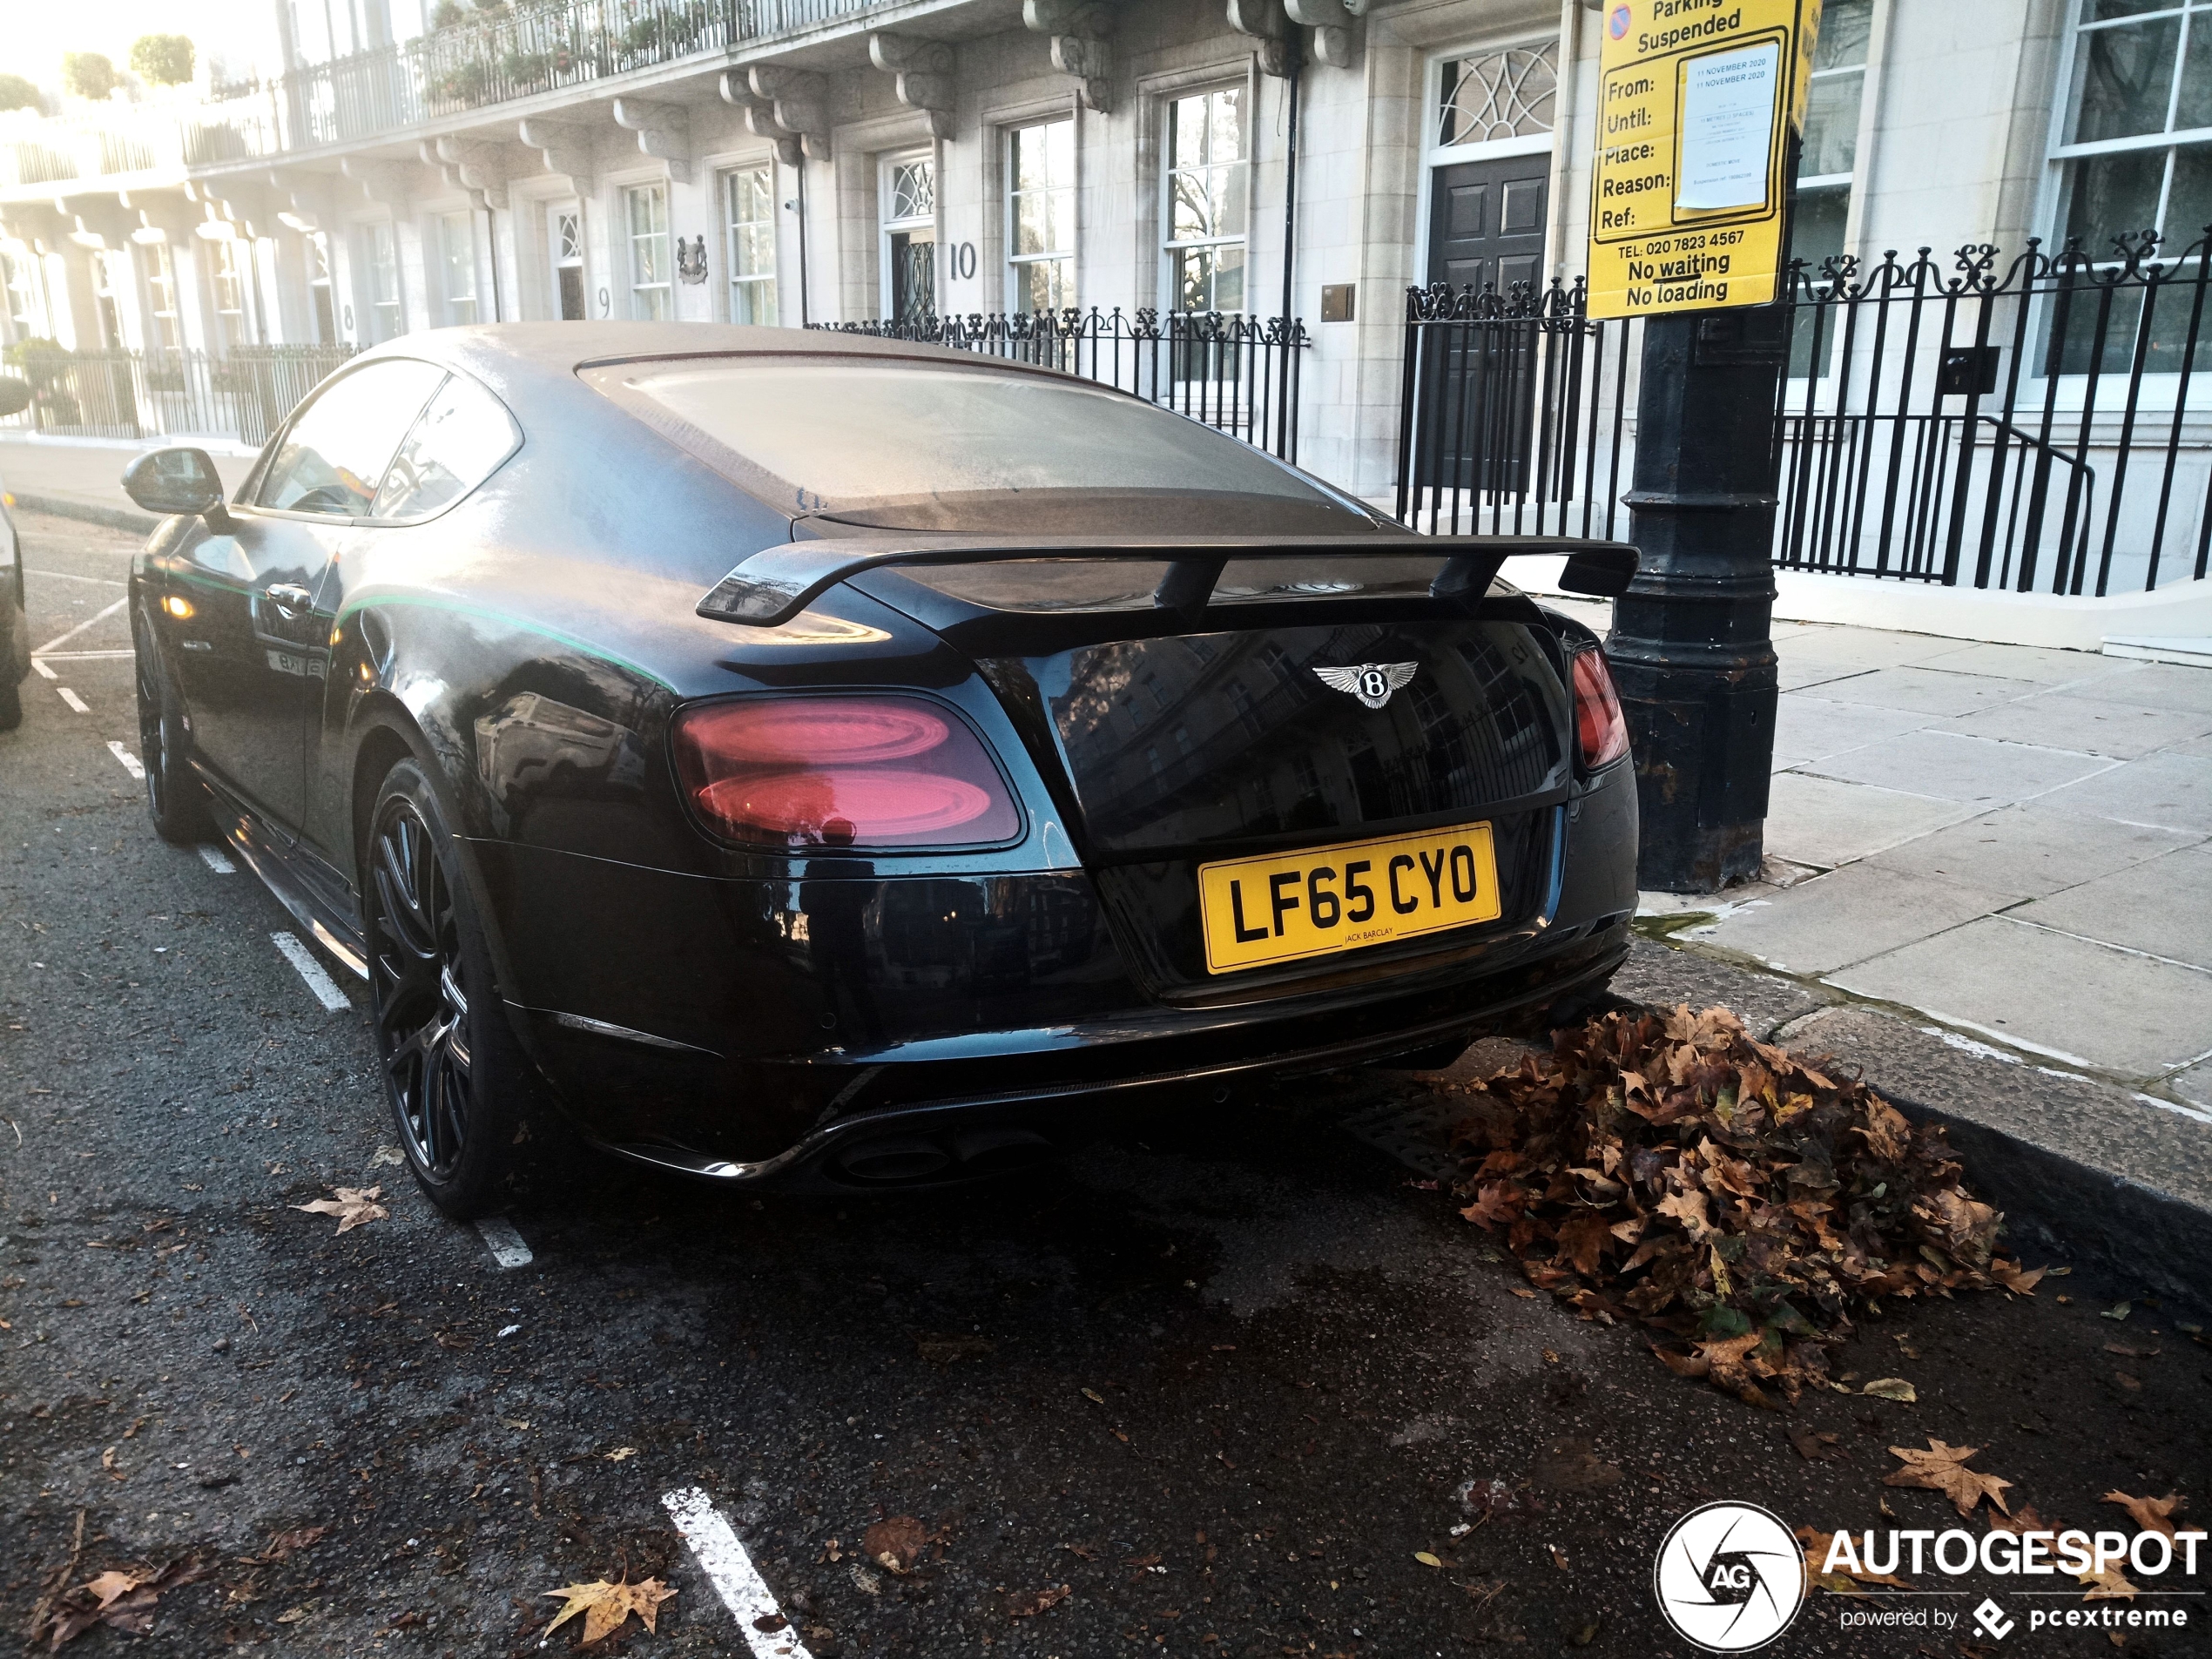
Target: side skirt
(268,854)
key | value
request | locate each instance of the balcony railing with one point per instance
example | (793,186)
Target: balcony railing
(520,53)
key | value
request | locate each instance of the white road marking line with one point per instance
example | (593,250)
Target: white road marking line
(130,761)
(213,858)
(44,672)
(505,1244)
(98,617)
(322,984)
(73,699)
(736,1580)
(88,656)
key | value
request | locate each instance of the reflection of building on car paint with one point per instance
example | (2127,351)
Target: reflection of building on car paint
(902,837)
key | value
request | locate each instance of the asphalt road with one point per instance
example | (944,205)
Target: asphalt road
(1226,1381)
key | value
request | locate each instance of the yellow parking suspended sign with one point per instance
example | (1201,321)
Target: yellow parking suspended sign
(1696,102)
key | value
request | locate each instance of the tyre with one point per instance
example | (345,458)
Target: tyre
(454,1077)
(176,800)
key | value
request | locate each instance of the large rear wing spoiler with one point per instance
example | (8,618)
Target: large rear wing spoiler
(775,585)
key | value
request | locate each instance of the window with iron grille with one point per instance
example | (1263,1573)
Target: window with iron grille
(909,217)
(1040,217)
(749,194)
(651,263)
(2134,155)
(1209,189)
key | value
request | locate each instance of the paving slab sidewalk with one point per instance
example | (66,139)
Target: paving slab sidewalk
(84,481)
(2015,842)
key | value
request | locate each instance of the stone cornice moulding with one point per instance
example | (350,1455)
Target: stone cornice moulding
(385,183)
(309,203)
(1079,31)
(925,75)
(664,132)
(566,148)
(1332,22)
(760,115)
(799,99)
(480,166)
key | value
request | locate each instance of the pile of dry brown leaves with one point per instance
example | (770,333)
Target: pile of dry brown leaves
(1670,1168)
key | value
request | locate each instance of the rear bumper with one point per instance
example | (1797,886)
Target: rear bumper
(977,1129)
(755,1030)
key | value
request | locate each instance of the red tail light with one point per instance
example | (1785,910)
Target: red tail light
(1601,731)
(841,771)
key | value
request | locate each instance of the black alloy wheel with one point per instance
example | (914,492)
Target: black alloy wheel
(176,800)
(452,1074)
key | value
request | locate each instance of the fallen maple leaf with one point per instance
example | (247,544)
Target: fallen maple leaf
(125,1601)
(354,1206)
(605,1606)
(1943,1468)
(1027,1606)
(1894,1388)
(2108,1585)
(2018,1280)
(2149,1515)
(895,1542)
(2023,1519)
(1669,1167)
(286,1543)
(1815,1448)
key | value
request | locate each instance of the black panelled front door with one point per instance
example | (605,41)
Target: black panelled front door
(1486,223)
(1485,231)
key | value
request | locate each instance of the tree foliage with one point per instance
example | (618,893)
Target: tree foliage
(162,60)
(16,93)
(88,74)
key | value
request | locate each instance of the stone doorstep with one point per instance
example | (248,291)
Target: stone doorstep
(2084,1170)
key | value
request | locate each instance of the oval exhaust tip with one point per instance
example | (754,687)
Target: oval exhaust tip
(895,1158)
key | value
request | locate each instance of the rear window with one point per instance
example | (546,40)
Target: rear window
(810,436)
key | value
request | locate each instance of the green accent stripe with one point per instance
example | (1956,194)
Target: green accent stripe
(480,613)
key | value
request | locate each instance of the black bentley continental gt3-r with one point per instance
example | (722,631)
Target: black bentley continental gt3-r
(850,762)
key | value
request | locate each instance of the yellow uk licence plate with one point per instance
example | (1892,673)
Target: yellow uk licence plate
(1278,907)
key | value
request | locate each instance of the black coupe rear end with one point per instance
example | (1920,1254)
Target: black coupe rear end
(839,761)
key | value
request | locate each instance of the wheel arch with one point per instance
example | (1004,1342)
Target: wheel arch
(387,734)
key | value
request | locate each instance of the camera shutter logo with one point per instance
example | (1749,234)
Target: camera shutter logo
(1729,1577)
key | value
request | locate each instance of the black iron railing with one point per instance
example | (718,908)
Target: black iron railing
(1239,374)
(2044,428)
(132,395)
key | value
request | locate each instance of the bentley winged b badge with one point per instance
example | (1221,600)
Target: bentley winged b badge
(1371,683)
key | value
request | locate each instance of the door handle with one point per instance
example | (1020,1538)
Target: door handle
(288,597)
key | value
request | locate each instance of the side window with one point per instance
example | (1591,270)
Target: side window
(334,455)
(458,444)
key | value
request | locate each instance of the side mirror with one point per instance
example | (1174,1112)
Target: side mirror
(177,481)
(14,395)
